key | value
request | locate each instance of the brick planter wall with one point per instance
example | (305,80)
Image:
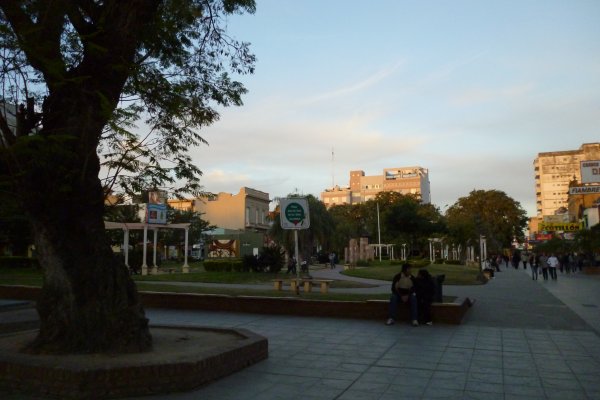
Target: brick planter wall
(448,313)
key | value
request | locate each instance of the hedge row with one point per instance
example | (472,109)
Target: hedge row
(234,264)
(414,262)
(19,262)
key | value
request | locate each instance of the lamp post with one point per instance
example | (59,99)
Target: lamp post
(482,250)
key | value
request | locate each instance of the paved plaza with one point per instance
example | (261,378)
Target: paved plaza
(523,339)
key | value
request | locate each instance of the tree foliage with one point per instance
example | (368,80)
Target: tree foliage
(486,212)
(175,71)
(349,222)
(402,219)
(83,73)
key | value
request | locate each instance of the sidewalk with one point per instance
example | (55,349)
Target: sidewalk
(519,342)
(523,339)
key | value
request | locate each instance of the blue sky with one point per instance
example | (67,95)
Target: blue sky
(471,90)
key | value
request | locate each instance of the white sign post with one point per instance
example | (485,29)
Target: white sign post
(294,214)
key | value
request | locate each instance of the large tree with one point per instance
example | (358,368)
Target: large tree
(491,213)
(98,62)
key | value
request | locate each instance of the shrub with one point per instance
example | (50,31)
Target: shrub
(419,263)
(454,262)
(271,259)
(362,263)
(323,257)
(249,263)
(438,261)
(223,265)
(135,258)
(18,262)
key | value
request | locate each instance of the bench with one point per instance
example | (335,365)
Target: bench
(277,284)
(324,284)
(308,284)
(295,283)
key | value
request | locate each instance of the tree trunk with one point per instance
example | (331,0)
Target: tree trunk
(89,303)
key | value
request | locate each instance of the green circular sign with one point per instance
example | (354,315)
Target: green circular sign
(294,213)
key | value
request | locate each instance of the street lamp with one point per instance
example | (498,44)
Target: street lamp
(482,250)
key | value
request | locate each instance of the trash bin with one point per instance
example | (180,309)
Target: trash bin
(438,296)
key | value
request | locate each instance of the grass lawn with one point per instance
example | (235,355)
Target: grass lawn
(315,295)
(33,277)
(251,278)
(455,274)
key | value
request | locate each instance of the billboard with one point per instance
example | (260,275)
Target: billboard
(155,211)
(555,226)
(590,171)
(584,190)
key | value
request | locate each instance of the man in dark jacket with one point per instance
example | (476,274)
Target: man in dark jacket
(425,290)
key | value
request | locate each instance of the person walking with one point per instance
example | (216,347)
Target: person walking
(533,263)
(524,259)
(332,260)
(515,260)
(553,263)
(543,264)
(494,263)
(403,293)
(291,267)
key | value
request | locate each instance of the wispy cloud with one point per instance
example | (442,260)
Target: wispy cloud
(445,71)
(366,83)
(475,96)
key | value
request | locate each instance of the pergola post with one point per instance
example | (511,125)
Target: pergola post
(431,250)
(126,246)
(186,267)
(126,227)
(144,265)
(154,266)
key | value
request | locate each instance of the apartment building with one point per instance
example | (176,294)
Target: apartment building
(246,210)
(405,180)
(554,172)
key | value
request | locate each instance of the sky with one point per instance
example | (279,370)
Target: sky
(470,90)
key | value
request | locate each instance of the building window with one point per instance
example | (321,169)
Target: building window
(247,215)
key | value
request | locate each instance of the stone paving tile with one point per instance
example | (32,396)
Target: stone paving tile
(433,392)
(455,384)
(490,376)
(351,394)
(460,366)
(550,383)
(475,395)
(405,391)
(368,386)
(562,394)
(524,390)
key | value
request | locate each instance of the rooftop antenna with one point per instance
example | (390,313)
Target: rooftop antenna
(332,169)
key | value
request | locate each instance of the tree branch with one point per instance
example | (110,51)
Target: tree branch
(40,41)
(83,27)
